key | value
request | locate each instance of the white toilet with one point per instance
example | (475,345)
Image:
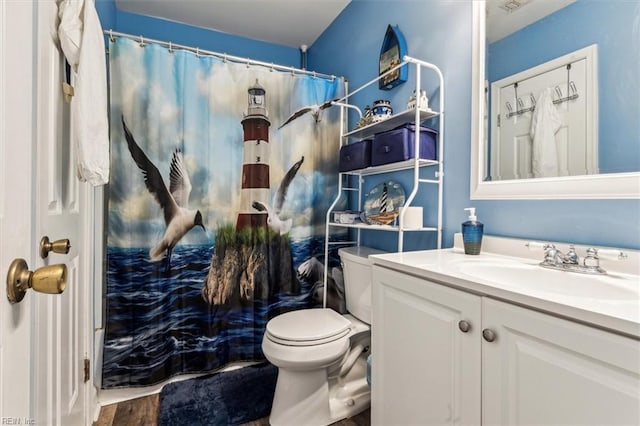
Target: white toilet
(321,355)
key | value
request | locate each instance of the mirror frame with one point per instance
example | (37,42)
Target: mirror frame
(607,185)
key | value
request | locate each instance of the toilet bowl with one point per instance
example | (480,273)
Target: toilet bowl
(321,355)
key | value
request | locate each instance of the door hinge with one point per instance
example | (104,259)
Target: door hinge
(87,370)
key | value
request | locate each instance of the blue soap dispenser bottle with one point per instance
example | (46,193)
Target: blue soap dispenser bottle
(472,233)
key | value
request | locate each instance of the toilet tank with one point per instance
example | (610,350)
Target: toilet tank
(356,269)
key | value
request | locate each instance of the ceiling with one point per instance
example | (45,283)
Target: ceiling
(508,16)
(295,23)
(290,23)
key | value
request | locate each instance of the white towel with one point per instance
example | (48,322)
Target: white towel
(545,123)
(82,42)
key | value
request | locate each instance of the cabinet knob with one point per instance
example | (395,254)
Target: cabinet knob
(464,326)
(489,335)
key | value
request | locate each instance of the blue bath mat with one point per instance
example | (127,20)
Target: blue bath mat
(229,398)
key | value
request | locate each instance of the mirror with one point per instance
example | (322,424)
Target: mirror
(618,105)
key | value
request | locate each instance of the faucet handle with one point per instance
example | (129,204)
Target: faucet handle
(591,260)
(551,254)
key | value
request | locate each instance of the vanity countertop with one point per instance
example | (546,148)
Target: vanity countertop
(611,301)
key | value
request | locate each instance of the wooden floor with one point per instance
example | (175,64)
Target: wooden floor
(144,412)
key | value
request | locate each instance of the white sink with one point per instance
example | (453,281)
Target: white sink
(519,275)
(509,270)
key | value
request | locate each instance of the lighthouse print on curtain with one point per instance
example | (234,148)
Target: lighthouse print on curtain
(216,208)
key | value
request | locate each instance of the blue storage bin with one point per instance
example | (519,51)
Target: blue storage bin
(398,145)
(355,156)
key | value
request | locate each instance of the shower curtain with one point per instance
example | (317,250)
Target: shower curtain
(216,208)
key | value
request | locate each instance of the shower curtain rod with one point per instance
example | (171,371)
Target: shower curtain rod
(142,40)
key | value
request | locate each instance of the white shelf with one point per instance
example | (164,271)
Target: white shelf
(379,227)
(355,192)
(391,167)
(407,116)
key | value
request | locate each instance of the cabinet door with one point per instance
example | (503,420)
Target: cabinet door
(425,370)
(543,370)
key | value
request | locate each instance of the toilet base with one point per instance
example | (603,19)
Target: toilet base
(351,394)
(308,398)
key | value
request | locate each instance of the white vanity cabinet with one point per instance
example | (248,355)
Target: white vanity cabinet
(513,365)
(545,370)
(425,369)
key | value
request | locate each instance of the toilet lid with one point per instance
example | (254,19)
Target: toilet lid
(308,327)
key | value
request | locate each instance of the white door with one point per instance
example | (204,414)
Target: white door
(511,144)
(542,370)
(57,207)
(515,144)
(576,143)
(16,141)
(426,370)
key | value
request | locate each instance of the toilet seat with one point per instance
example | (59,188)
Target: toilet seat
(307,327)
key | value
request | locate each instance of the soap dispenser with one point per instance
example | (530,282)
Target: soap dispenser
(472,233)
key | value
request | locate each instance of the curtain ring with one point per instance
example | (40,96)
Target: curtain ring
(313,75)
(111,39)
(224,58)
(271,69)
(197,52)
(248,63)
(141,44)
(170,48)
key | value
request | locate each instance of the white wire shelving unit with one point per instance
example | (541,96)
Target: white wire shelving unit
(415,116)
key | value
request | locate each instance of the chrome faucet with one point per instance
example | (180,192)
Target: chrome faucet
(571,257)
(570,261)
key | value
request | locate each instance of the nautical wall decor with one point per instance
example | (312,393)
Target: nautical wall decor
(216,211)
(382,204)
(393,50)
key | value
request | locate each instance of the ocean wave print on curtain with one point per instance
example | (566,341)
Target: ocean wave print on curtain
(216,209)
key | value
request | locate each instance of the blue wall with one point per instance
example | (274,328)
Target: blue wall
(440,32)
(618,69)
(437,32)
(107,12)
(160,29)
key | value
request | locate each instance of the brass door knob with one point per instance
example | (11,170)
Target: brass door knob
(51,279)
(58,246)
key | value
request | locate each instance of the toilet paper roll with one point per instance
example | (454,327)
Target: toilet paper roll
(412,217)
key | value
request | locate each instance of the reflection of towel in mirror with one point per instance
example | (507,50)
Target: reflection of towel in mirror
(545,123)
